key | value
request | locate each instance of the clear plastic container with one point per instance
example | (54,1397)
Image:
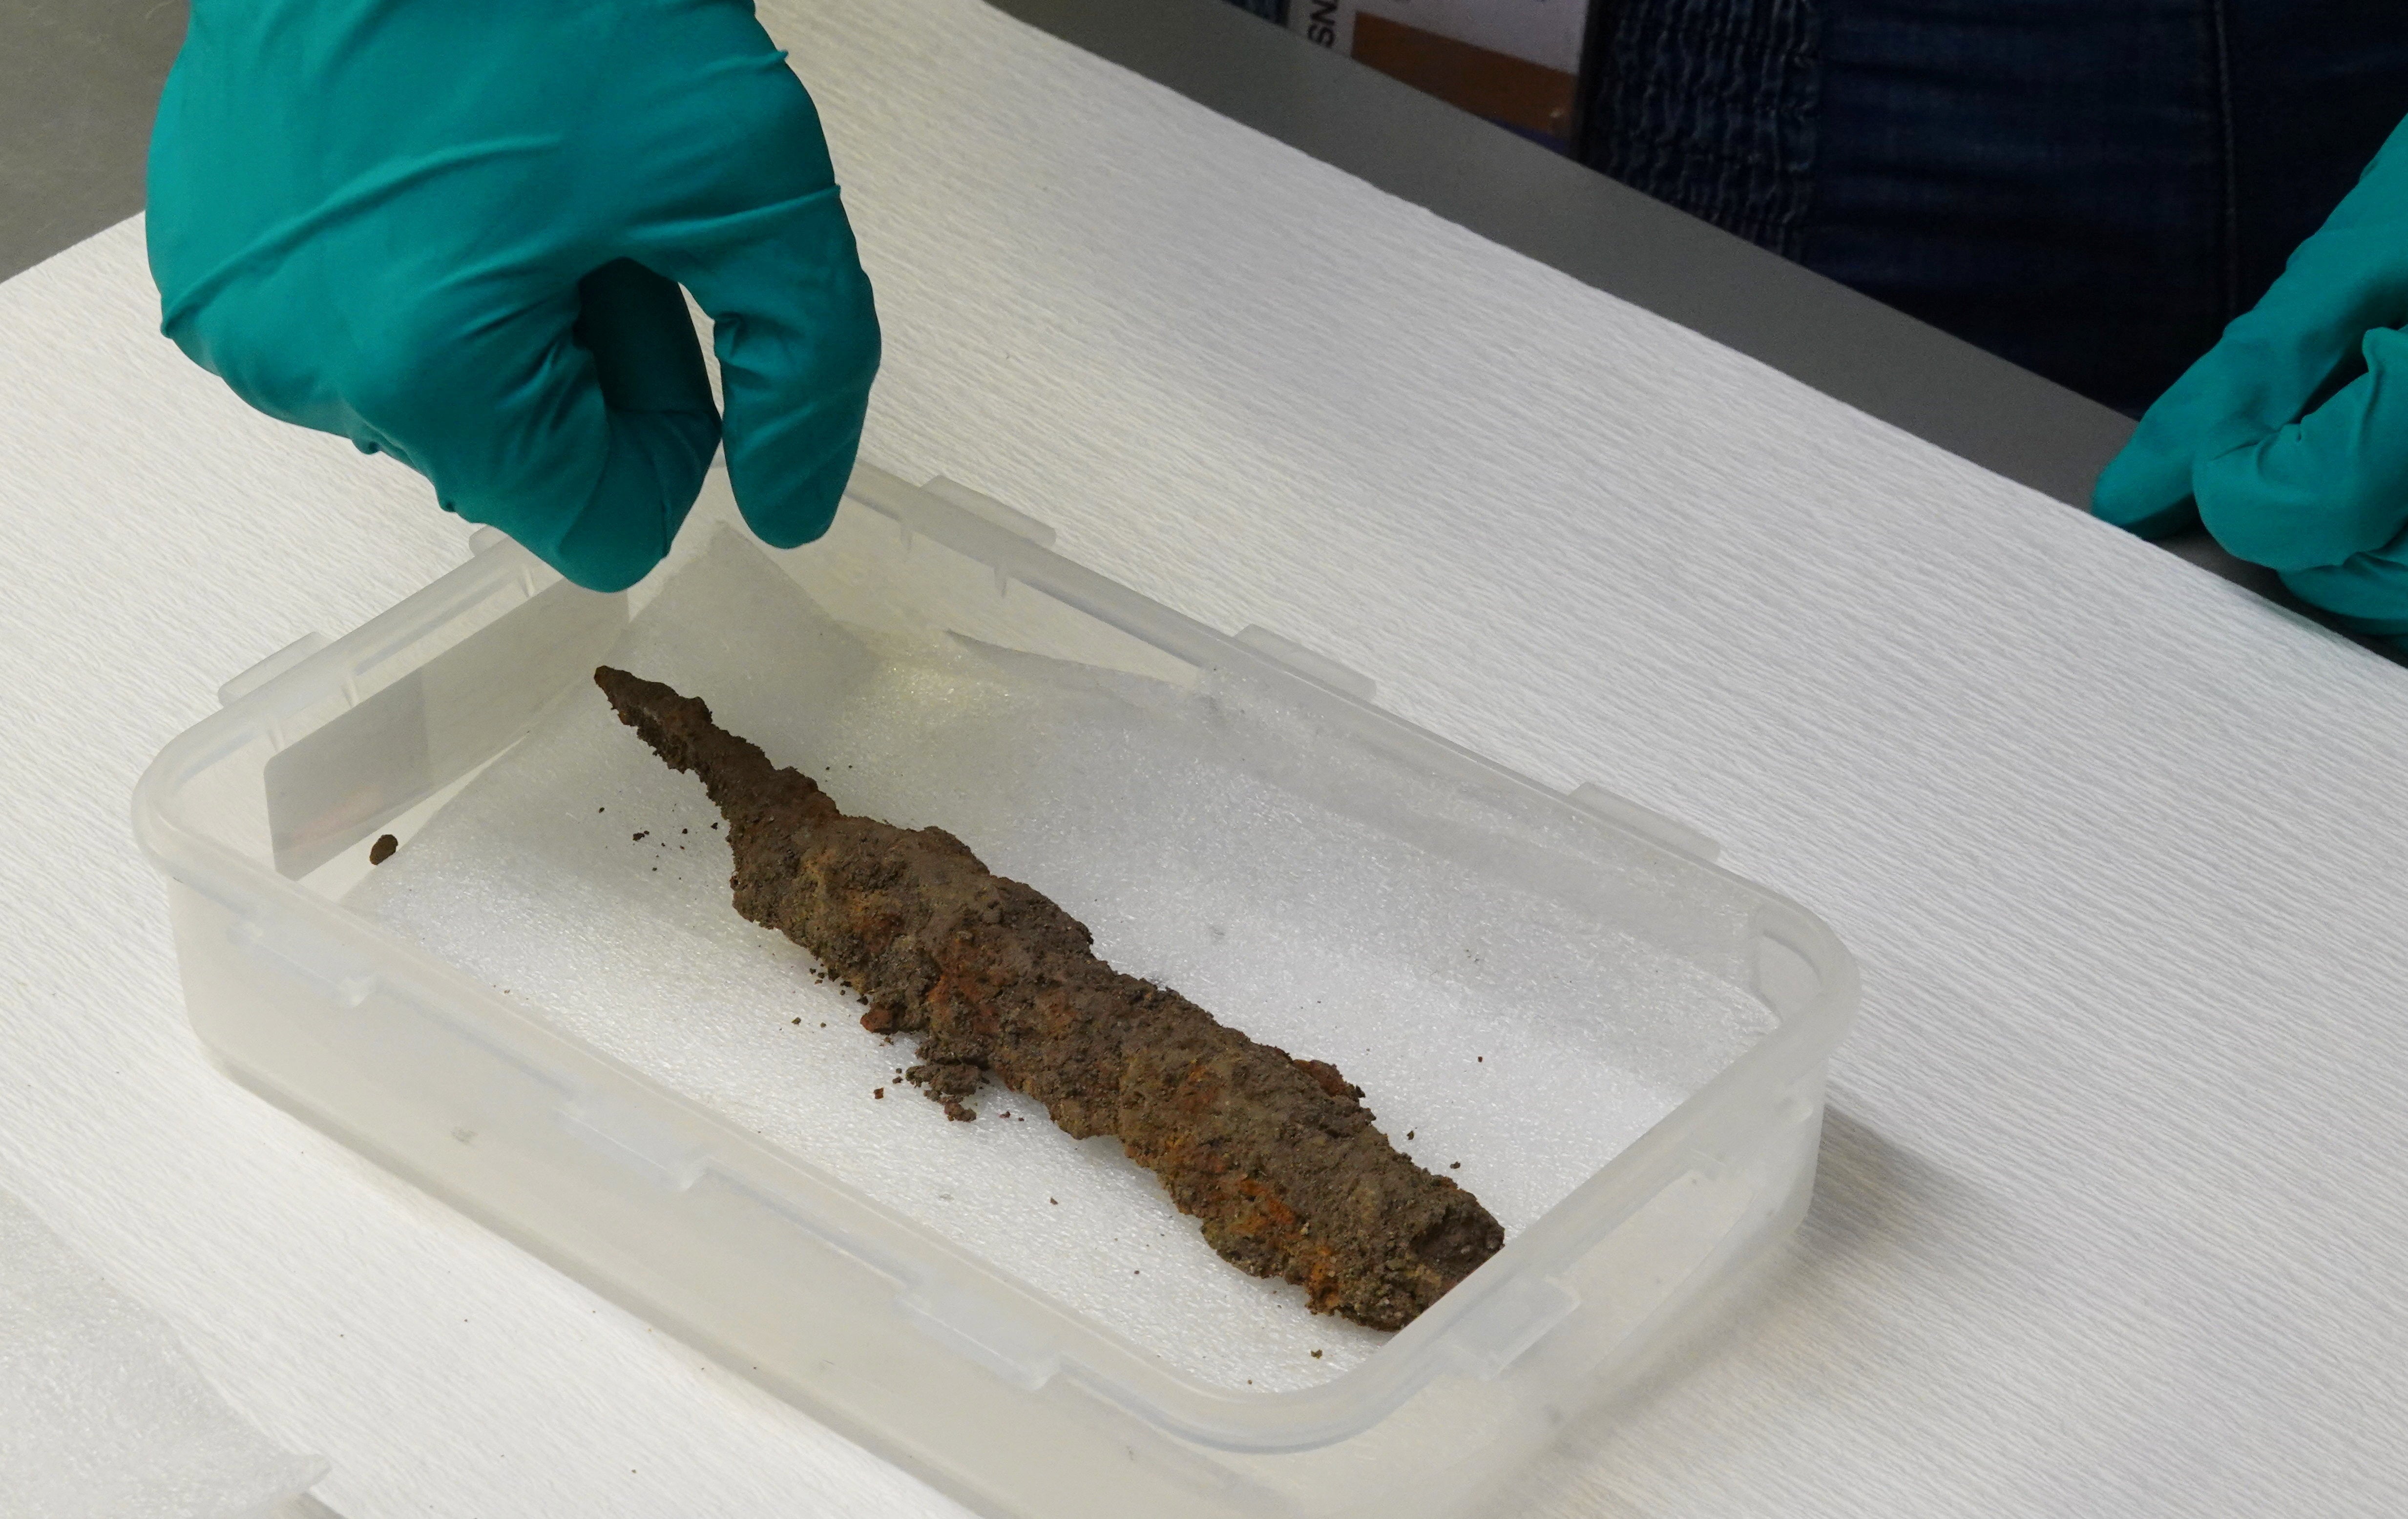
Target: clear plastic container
(1645,986)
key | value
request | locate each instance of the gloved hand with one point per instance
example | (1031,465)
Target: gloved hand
(2289,440)
(449,230)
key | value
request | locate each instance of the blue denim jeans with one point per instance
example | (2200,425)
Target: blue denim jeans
(2088,188)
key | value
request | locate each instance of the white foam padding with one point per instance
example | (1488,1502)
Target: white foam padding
(1504,1039)
(102,1415)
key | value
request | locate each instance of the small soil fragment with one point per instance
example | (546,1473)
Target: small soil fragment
(1275,1157)
(382,849)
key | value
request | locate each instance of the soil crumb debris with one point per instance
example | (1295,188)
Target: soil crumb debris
(1276,1157)
(382,849)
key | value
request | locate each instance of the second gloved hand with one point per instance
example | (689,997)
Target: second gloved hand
(454,232)
(2289,440)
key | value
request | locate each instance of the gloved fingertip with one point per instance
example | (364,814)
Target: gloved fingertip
(2325,491)
(609,548)
(611,570)
(799,511)
(2146,491)
(2366,593)
(654,472)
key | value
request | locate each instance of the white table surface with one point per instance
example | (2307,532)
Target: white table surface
(2111,1215)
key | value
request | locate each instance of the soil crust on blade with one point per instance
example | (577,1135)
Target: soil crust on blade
(1276,1157)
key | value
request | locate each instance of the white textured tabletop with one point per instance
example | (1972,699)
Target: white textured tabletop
(2111,1219)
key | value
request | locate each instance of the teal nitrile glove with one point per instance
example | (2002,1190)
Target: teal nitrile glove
(2289,440)
(453,230)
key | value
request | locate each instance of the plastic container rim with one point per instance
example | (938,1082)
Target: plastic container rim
(1178,1403)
